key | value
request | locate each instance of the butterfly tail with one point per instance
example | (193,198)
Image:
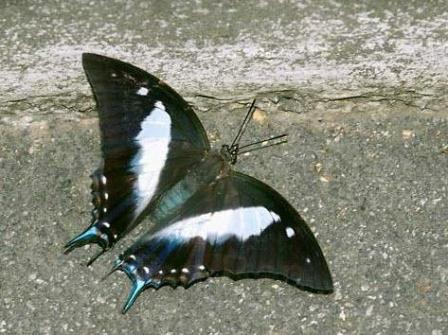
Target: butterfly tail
(90,235)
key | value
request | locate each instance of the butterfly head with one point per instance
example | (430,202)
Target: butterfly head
(230,152)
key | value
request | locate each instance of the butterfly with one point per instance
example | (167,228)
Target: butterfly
(206,218)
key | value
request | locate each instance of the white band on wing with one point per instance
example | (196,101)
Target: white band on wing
(154,139)
(242,223)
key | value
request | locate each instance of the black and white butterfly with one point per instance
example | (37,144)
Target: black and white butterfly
(207,219)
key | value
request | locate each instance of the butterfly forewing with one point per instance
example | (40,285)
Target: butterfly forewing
(150,138)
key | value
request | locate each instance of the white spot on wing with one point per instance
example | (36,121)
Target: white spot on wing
(142,91)
(290,232)
(275,216)
(221,225)
(153,139)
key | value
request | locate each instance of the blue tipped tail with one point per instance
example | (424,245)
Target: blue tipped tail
(91,235)
(137,287)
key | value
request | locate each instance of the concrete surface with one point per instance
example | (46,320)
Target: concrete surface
(359,86)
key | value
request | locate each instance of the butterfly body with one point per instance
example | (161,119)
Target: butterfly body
(205,218)
(212,167)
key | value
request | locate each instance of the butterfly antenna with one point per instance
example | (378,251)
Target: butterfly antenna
(243,126)
(276,140)
(266,141)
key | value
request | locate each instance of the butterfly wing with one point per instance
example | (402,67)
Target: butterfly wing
(150,138)
(236,226)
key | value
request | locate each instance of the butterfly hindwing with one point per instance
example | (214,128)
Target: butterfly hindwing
(150,138)
(236,226)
